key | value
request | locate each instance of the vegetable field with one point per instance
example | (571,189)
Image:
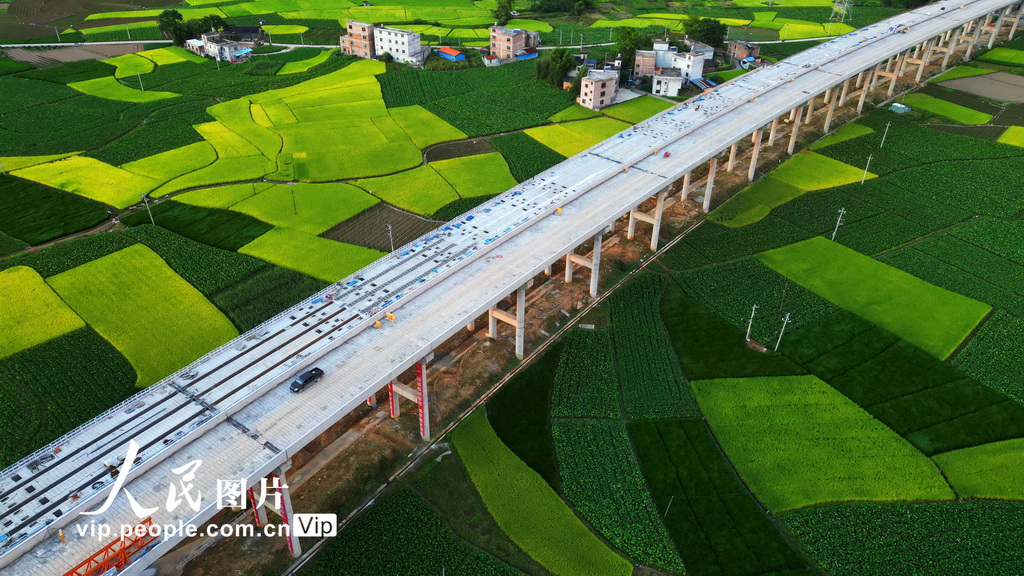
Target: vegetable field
(320,258)
(602,480)
(932,318)
(586,385)
(987,471)
(691,484)
(973,537)
(526,508)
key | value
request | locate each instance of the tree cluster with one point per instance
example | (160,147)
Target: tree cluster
(554,65)
(504,11)
(172,23)
(706,30)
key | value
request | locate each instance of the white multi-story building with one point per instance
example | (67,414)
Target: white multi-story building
(403,45)
(665,64)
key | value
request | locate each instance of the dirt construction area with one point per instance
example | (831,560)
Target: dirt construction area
(1000,86)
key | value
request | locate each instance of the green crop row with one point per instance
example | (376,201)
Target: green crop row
(527,509)
(650,380)
(218,228)
(35,214)
(39,402)
(715,523)
(930,403)
(428,546)
(733,289)
(973,537)
(525,156)
(993,356)
(585,384)
(602,480)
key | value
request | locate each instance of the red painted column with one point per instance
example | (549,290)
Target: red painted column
(286,513)
(258,513)
(423,400)
(396,410)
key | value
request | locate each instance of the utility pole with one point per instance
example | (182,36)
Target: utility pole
(58,34)
(610,34)
(145,200)
(128,31)
(884,134)
(141,87)
(785,321)
(2,171)
(581,41)
(667,508)
(559,36)
(750,325)
(839,222)
(271,37)
(391,238)
(302,39)
(865,176)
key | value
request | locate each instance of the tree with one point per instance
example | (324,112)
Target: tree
(706,30)
(627,41)
(554,66)
(504,11)
(387,58)
(167,19)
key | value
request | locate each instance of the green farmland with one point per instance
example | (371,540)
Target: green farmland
(872,422)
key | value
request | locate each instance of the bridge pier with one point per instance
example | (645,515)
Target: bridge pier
(654,220)
(773,132)
(517,320)
(1016,22)
(712,167)
(594,264)
(831,111)
(754,154)
(998,27)
(896,74)
(844,92)
(685,192)
(796,130)
(371,400)
(397,390)
(259,510)
(732,157)
(286,511)
(974,40)
(864,92)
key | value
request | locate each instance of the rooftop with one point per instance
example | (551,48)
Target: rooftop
(599,75)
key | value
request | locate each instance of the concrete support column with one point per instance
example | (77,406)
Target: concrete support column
(595,268)
(864,92)
(998,27)
(951,47)
(810,109)
(712,167)
(422,398)
(686,187)
(492,325)
(1016,21)
(287,512)
(259,510)
(549,270)
(831,111)
(471,327)
(732,157)
(631,229)
(754,154)
(896,74)
(658,211)
(395,409)
(973,42)
(371,400)
(568,268)
(844,92)
(773,132)
(925,59)
(796,131)
(873,78)
(520,321)
(792,114)
(860,79)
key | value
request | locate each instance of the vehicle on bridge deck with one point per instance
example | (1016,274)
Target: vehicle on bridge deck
(305,379)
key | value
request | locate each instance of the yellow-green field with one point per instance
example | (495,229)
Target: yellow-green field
(32,312)
(136,302)
(314,256)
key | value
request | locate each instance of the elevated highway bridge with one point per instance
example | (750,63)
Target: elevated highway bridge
(229,409)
